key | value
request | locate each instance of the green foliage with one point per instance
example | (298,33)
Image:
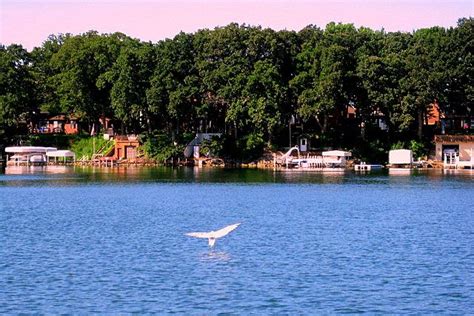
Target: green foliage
(88,146)
(58,141)
(418,149)
(16,87)
(399,145)
(81,73)
(129,78)
(246,82)
(161,147)
(251,146)
(213,147)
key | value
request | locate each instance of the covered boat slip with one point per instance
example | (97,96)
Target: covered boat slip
(455,151)
(61,156)
(33,155)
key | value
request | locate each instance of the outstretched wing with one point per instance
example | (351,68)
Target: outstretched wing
(224,231)
(199,235)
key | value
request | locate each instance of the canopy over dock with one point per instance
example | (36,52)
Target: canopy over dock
(29,149)
(26,155)
(337,153)
(60,153)
(64,155)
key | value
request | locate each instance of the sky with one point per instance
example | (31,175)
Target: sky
(29,22)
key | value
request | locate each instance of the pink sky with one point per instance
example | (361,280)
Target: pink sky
(29,22)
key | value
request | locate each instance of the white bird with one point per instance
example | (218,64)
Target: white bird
(213,235)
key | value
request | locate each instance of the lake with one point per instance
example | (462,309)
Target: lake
(82,241)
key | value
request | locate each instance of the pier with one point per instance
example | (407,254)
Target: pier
(367,167)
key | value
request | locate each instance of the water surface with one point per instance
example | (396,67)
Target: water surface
(112,241)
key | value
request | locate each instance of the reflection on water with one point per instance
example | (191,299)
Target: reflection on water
(215,256)
(136,174)
(112,241)
(17,170)
(401,172)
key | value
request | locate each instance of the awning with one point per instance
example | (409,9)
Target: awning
(29,149)
(337,153)
(60,153)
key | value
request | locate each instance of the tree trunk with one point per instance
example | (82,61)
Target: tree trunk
(420,123)
(322,125)
(148,122)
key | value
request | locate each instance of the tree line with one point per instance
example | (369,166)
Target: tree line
(250,83)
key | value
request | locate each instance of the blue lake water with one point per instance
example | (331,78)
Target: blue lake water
(96,241)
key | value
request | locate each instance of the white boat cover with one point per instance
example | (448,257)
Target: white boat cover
(337,153)
(60,153)
(29,149)
(37,158)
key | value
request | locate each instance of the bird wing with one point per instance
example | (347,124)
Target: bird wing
(224,231)
(199,235)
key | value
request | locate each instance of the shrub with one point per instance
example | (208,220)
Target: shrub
(160,147)
(86,147)
(213,147)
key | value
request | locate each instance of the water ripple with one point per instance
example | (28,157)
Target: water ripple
(344,244)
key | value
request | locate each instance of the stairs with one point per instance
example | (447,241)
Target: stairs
(106,150)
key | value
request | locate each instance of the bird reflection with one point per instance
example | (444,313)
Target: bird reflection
(215,256)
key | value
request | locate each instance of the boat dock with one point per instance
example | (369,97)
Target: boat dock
(367,167)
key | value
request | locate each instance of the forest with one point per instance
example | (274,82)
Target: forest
(254,85)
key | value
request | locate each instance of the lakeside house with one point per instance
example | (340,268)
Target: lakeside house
(448,123)
(57,124)
(455,151)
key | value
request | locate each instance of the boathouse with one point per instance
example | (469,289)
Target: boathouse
(126,147)
(455,150)
(194,146)
(400,158)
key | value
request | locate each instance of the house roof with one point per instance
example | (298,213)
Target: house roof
(60,117)
(454,138)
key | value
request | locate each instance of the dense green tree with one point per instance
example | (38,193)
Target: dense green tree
(44,73)
(248,83)
(81,66)
(326,80)
(458,60)
(380,77)
(17,97)
(130,79)
(174,88)
(223,64)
